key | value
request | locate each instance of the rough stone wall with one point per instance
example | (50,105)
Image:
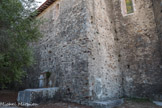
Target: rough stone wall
(94,52)
(62,49)
(79,49)
(105,77)
(157,4)
(138,49)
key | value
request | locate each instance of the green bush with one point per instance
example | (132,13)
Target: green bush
(17,30)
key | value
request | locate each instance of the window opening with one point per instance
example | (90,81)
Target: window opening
(129,6)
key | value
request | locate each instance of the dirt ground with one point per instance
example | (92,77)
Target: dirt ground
(61,105)
(127,104)
(11,96)
(8,96)
(133,104)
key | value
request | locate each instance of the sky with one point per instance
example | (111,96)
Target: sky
(41,1)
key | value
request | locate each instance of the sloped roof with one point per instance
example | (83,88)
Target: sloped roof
(44,6)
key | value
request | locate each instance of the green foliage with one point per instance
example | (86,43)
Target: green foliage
(129,5)
(17,30)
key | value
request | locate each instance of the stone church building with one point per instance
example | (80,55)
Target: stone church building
(100,49)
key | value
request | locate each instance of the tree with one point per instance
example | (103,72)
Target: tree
(17,29)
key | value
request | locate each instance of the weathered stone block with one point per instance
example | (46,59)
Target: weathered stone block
(37,95)
(157,103)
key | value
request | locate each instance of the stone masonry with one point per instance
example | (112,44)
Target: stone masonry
(95,52)
(138,45)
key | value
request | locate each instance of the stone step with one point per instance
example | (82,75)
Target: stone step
(30,96)
(107,104)
(157,97)
(159,103)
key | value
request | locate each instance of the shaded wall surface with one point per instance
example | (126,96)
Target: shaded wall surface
(138,49)
(105,78)
(157,4)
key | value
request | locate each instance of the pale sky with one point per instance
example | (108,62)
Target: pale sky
(41,1)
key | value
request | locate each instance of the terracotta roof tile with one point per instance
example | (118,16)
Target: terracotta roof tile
(44,6)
